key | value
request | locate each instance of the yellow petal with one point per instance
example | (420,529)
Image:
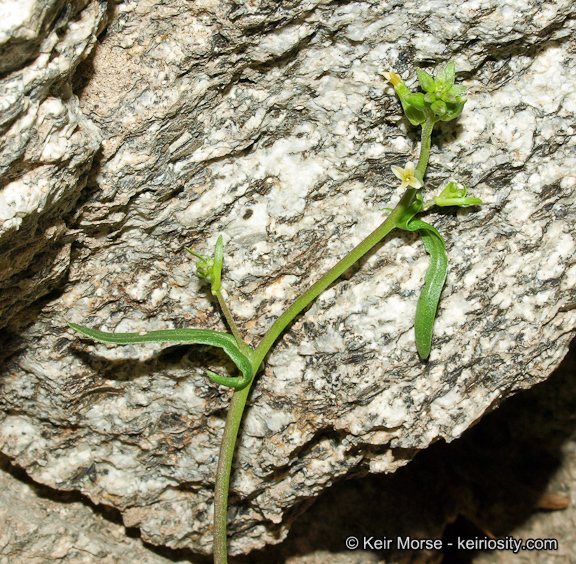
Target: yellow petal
(392,77)
(398,172)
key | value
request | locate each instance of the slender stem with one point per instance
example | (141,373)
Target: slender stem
(424,148)
(236,410)
(245,349)
(238,403)
(225,457)
(335,272)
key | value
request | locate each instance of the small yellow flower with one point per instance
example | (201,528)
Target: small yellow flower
(406,175)
(392,77)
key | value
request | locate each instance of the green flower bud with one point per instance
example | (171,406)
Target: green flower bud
(454,110)
(417,100)
(210,269)
(439,108)
(413,113)
(455,195)
(441,99)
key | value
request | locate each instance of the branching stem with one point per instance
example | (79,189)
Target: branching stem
(238,403)
(232,324)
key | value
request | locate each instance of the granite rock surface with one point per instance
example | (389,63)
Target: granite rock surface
(273,125)
(47,144)
(37,529)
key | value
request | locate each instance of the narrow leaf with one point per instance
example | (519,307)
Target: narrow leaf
(445,76)
(462,202)
(434,279)
(425,80)
(217,270)
(224,341)
(433,284)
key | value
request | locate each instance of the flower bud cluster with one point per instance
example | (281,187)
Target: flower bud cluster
(454,194)
(441,99)
(210,269)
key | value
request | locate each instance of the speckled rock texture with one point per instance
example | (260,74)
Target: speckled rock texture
(271,123)
(46,142)
(37,529)
(512,474)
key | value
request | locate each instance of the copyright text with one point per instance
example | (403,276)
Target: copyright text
(478,543)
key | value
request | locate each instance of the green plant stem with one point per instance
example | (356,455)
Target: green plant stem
(238,403)
(424,148)
(335,272)
(244,348)
(236,410)
(223,472)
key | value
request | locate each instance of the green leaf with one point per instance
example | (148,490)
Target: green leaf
(458,90)
(445,76)
(216,285)
(433,284)
(462,202)
(426,81)
(224,341)
(434,279)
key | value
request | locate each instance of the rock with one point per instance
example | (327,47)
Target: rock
(38,529)
(494,478)
(510,476)
(46,146)
(272,124)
